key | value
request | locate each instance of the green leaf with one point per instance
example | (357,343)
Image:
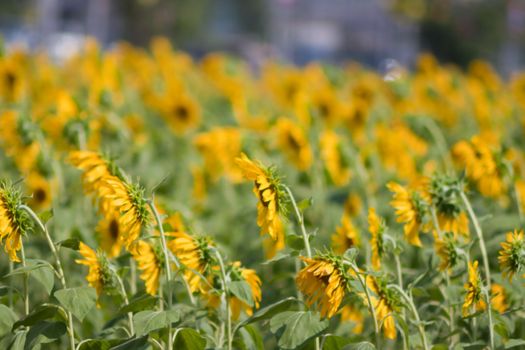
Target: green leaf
(147,321)
(269,311)
(360,346)
(351,254)
(278,257)
(78,300)
(71,243)
(18,341)
(133,344)
(294,242)
(242,290)
(140,303)
(44,312)
(43,273)
(250,338)
(7,319)
(334,342)
(44,332)
(189,339)
(100,344)
(305,204)
(46,216)
(511,343)
(294,328)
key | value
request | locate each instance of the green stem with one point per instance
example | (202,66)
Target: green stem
(61,275)
(133,277)
(491,322)
(371,308)
(167,263)
(126,302)
(26,279)
(300,220)
(226,300)
(399,271)
(518,202)
(484,255)
(441,142)
(420,327)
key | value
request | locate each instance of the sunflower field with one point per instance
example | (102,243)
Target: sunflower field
(149,200)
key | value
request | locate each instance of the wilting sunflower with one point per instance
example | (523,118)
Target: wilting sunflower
(474,298)
(345,236)
(99,275)
(149,262)
(499,298)
(446,250)
(109,231)
(512,254)
(195,256)
(128,200)
(409,210)
(376,228)
(266,188)
(96,170)
(324,282)
(293,142)
(385,302)
(13,221)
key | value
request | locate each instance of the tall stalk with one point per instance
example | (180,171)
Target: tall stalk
(60,271)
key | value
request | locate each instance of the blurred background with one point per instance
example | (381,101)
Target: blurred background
(373,32)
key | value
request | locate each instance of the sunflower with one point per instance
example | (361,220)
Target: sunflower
(293,142)
(180,111)
(345,236)
(40,189)
(331,155)
(499,298)
(512,254)
(385,304)
(353,314)
(99,275)
(446,250)
(128,200)
(149,262)
(474,297)
(266,188)
(195,256)
(11,80)
(322,281)
(376,228)
(13,221)
(109,230)
(353,204)
(408,206)
(96,170)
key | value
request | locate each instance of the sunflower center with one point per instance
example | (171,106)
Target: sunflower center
(40,195)
(324,110)
(293,142)
(10,80)
(181,112)
(113,229)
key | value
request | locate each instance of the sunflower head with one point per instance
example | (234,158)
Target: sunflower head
(446,249)
(323,281)
(14,222)
(474,297)
(100,275)
(346,236)
(386,301)
(512,254)
(149,260)
(445,196)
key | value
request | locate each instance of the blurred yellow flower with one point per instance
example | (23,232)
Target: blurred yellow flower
(149,263)
(474,298)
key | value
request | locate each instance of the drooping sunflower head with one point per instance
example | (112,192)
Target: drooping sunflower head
(410,209)
(293,142)
(498,299)
(323,281)
(109,230)
(446,249)
(150,261)
(100,276)
(345,236)
(273,201)
(512,254)
(444,194)
(474,297)
(196,257)
(376,227)
(386,302)
(14,222)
